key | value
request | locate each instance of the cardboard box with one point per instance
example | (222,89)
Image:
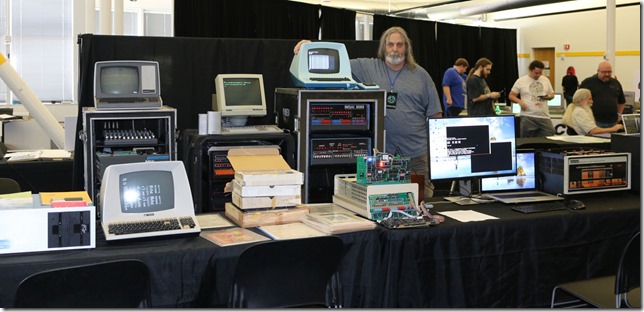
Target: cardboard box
(266,190)
(265,201)
(255,218)
(262,167)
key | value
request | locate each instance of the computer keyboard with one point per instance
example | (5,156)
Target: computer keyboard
(251,129)
(148,226)
(539,207)
(129,99)
(329,79)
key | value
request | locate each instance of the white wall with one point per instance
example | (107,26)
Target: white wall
(586,34)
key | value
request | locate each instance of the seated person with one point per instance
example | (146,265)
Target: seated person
(579,115)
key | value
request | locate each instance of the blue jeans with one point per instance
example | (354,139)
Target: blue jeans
(604,124)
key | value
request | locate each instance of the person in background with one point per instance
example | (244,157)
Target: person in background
(608,96)
(454,88)
(532,92)
(480,100)
(411,98)
(570,83)
(579,115)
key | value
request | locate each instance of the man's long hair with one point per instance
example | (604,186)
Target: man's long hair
(409,54)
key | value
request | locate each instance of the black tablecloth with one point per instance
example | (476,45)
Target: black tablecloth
(510,262)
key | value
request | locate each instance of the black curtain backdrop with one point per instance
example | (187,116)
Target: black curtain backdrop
(437,45)
(188,67)
(266,19)
(338,24)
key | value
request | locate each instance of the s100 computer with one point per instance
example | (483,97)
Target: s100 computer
(146,199)
(127,85)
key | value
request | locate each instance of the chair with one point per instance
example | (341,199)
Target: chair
(8,185)
(113,284)
(610,291)
(289,273)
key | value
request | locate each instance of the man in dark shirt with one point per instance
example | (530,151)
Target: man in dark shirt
(480,100)
(608,96)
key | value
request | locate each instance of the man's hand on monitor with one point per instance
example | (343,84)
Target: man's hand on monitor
(298,45)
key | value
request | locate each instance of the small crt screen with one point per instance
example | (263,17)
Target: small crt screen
(146,191)
(324,61)
(120,80)
(242,91)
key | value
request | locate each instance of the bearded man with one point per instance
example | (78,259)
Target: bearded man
(411,98)
(579,115)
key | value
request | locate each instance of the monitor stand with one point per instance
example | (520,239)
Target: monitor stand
(473,196)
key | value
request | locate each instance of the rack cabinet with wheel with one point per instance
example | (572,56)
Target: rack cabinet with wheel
(205,158)
(125,136)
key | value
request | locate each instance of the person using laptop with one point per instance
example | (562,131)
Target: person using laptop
(579,115)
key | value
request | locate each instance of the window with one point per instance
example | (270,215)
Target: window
(40,48)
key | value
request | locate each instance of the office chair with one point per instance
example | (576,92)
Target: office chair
(608,292)
(113,284)
(289,273)
(8,185)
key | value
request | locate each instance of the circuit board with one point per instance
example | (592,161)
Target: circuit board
(381,204)
(382,169)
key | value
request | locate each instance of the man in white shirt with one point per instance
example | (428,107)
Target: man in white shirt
(532,92)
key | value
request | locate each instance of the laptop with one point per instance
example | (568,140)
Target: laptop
(631,123)
(521,188)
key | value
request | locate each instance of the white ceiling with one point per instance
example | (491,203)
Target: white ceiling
(446,10)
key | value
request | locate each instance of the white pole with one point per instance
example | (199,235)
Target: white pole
(32,103)
(610,33)
(90,16)
(105,17)
(118,17)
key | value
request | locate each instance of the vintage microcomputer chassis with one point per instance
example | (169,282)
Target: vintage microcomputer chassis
(47,229)
(375,201)
(571,172)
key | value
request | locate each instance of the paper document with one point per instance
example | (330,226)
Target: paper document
(578,139)
(17,200)
(467,215)
(233,236)
(289,231)
(46,197)
(212,220)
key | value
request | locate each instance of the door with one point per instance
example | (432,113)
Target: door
(547,56)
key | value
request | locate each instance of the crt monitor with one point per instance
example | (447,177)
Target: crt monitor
(557,102)
(468,147)
(145,190)
(322,65)
(238,96)
(127,84)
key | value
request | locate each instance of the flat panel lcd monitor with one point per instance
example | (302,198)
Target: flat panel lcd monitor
(469,147)
(525,179)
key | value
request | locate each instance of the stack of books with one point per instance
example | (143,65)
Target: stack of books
(266,197)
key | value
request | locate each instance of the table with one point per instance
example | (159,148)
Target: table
(511,262)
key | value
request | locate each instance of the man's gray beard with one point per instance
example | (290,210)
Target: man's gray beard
(395,60)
